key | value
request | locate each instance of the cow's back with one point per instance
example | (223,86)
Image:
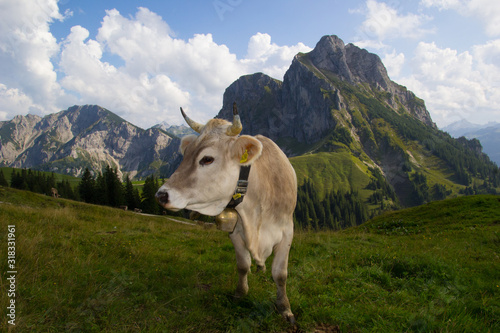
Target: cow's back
(272,182)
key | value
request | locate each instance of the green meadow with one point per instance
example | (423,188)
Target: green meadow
(87,268)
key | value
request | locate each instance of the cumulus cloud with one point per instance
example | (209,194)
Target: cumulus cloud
(457,85)
(12,100)
(487,11)
(383,22)
(157,73)
(270,58)
(160,72)
(394,63)
(27,75)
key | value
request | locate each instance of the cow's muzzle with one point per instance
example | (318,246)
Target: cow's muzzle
(162,197)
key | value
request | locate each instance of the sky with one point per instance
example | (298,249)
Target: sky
(144,59)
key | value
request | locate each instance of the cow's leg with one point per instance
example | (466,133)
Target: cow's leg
(243,262)
(280,272)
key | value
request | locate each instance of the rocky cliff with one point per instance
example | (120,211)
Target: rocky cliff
(338,99)
(316,94)
(86,137)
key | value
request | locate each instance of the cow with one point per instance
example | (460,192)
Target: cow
(54,192)
(208,178)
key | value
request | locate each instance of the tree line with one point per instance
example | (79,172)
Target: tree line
(106,188)
(38,182)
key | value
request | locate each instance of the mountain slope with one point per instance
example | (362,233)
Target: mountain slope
(338,99)
(488,135)
(86,137)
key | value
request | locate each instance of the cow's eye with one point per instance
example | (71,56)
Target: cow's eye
(206,160)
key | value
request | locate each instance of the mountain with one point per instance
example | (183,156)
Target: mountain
(354,137)
(460,127)
(488,135)
(86,137)
(174,130)
(348,127)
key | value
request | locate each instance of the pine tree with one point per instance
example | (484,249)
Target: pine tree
(3,181)
(114,189)
(149,204)
(87,187)
(132,197)
(101,190)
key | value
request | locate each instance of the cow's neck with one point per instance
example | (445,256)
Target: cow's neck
(227,219)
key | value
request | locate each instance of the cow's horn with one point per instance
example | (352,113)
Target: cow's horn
(236,128)
(197,127)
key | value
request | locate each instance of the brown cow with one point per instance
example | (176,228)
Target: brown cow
(206,181)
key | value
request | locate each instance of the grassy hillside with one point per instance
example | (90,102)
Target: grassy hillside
(328,171)
(89,268)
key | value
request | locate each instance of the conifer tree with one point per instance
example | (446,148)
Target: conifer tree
(87,187)
(114,188)
(132,197)
(3,181)
(149,204)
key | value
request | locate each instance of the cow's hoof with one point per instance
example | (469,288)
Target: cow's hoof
(239,293)
(261,268)
(290,318)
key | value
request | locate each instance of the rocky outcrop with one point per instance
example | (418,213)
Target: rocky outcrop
(336,98)
(316,95)
(86,137)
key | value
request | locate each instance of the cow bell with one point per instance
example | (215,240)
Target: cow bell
(226,221)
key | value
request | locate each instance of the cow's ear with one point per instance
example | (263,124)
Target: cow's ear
(186,141)
(247,149)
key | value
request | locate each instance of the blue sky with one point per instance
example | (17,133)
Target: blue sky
(144,59)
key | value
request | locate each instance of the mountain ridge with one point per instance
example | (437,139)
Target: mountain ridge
(87,136)
(338,99)
(336,114)
(488,134)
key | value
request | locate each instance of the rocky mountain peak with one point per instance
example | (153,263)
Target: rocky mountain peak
(330,55)
(317,95)
(349,62)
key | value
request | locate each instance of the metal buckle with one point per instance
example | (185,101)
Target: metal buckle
(242,183)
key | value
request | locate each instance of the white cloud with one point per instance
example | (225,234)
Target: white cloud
(488,11)
(26,49)
(274,60)
(158,74)
(161,73)
(394,63)
(12,100)
(383,22)
(457,85)
(135,97)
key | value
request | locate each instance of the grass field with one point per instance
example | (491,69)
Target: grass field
(327,170)
(86,268)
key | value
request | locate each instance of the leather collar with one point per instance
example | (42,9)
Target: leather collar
(241,187)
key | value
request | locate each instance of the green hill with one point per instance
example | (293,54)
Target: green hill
(86,268)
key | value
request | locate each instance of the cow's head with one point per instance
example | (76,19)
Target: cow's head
(206,178)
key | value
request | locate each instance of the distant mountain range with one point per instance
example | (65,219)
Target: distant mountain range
(345,125)
(175,130)
(86,136)
(488,135)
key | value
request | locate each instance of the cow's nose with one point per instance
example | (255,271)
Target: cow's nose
(162,197)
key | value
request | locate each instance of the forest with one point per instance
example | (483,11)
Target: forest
(104,189)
